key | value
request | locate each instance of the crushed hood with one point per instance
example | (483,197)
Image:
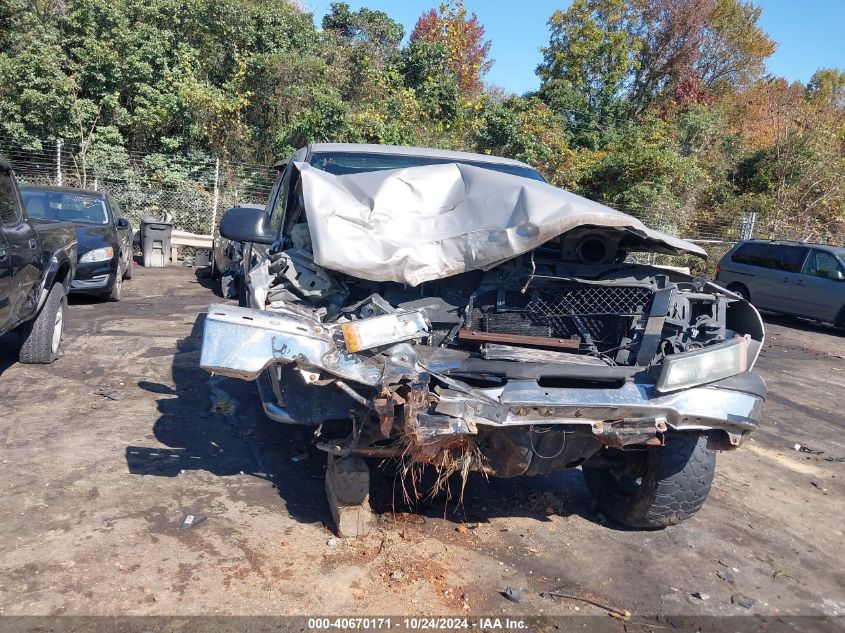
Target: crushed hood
(423,223)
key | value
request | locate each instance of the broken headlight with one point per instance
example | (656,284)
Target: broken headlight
(384,330)
(681,371)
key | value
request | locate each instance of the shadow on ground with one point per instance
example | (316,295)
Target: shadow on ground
(216,424)
(802,325)
(208,282)
(563,493)
(9,347)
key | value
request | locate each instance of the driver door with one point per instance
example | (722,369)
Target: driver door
(254,254)
(21,265)
(819,290)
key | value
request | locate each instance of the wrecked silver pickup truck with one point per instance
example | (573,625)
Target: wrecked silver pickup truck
(473,320)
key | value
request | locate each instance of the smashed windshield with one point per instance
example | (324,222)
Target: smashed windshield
(340,163)
(69,206)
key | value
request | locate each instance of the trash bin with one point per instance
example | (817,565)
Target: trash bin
(155,241)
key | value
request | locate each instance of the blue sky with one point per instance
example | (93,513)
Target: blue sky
(809,33)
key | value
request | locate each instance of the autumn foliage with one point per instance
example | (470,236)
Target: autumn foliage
(467,51)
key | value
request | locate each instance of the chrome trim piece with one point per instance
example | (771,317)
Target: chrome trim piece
(524,402)
(98,281)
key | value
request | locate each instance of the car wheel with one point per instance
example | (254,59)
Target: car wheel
(116,289)
(741,290)
(41,338)
(839,321)
(665,485)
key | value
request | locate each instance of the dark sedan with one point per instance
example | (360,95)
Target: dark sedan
(104,237)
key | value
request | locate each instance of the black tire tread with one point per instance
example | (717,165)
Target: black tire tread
(116,290)
(37,335)
(674,487)
(840,319)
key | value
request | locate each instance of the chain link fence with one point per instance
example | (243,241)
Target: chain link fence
(194,189)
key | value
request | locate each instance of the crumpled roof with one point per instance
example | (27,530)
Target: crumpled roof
(423,223)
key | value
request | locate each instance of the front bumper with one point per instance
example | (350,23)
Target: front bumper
(94,277)
(242,343)
(696,409)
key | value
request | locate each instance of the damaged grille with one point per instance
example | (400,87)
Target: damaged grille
(598,314)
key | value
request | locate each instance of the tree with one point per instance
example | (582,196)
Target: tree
(525,128)
(425,70)
(361,47)
(647,174)
(735,48)
(587,66)
(326,120)
(671,33)
(827,85)
(612,59)
(467,52)
(803,172)
(364,26)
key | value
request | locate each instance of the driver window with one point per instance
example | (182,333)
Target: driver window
(10,211)
(821,264)
(117,212)
(277,212)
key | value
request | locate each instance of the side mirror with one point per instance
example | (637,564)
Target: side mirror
(836,275)
(122,223)
(247,224)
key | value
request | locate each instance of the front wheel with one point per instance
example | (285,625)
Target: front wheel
(741,290)
(657,487)
(840,320)
(116,289)
(41,338)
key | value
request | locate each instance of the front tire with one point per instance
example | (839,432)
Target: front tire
(741,290)
(839,322)
(116,289)
(41,338)
(665,486)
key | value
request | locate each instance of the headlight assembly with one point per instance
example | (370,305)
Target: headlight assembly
(97,255)
(681,371)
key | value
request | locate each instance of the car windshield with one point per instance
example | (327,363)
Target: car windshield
(69,206)
(340,163)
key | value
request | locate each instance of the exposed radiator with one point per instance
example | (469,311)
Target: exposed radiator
(603,313)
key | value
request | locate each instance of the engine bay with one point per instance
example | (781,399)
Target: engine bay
(579,298)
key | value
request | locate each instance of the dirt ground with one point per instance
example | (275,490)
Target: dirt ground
(106,451)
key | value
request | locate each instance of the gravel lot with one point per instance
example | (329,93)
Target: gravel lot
(105,452)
